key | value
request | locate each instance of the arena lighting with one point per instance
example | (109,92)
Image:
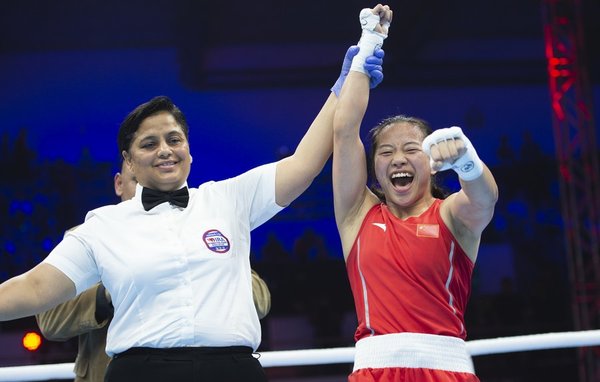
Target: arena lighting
(32,341)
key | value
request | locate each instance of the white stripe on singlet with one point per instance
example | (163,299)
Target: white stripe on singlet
(449,280)
(364,289)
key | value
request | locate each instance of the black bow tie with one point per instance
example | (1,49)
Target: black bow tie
(152,198)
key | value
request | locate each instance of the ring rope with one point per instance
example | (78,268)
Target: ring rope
(342,355)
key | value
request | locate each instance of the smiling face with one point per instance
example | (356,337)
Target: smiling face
(402,168)
(159,155)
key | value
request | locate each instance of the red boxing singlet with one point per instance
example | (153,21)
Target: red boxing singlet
(408,275)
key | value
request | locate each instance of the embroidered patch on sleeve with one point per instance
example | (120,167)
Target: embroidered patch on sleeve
(428,230)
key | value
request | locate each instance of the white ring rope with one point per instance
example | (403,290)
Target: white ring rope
(342,355)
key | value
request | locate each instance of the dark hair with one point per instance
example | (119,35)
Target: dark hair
(132,122)
(436,190)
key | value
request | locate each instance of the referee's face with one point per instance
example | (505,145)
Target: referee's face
(159,156)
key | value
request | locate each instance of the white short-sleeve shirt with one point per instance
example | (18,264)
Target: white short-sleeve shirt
(178,277)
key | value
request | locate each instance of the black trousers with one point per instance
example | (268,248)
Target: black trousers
(202,364)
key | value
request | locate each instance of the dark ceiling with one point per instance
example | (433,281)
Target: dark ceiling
(274,43)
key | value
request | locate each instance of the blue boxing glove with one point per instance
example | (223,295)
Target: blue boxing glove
(373,66)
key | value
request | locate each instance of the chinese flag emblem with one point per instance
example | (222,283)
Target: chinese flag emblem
(428,230)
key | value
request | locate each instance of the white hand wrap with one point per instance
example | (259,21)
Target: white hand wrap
(468,166)
(369,41)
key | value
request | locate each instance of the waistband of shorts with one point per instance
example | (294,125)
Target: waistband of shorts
(413,350)
(204,351)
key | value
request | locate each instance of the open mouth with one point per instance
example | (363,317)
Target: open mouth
(401,179)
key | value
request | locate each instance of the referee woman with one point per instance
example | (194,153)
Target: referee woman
(175,259)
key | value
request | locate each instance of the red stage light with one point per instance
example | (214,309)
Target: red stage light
(32,341)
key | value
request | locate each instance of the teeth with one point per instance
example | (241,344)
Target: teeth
(401,175)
